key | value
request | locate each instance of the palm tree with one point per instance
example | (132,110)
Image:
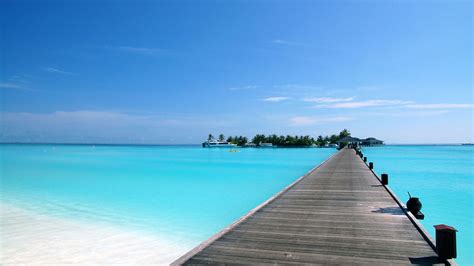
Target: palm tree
(210,137)
(344,133)
(320,141)
(221,137)
(241,141)
(258,139)
(281,140)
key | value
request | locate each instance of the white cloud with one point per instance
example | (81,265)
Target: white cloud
(308,120)
(417,113)
(363,104)
(328,100)
(16,86)
(302,121)
(20,78)
(298,87)
(249,87)
(10,86)
(275,99)
(288,43)
(86,126)
(440,106)
(57,71)
(142,50)
(348,103)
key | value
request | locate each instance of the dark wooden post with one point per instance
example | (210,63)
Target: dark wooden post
(414,206)
(384,179)
(445,241)
(365,159)
(371,165)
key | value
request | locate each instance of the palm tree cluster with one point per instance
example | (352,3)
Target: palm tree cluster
(286,141)
(321,141)
(240,140)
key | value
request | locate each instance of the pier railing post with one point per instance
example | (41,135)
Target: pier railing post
(365,159)
(384,179)
(371,165)
(414,206)
(445,241)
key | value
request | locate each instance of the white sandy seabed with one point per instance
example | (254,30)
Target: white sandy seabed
(31,238)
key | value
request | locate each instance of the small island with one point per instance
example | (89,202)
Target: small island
(265,141)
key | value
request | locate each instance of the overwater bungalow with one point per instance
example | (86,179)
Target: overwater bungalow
(359,142)
(371,142)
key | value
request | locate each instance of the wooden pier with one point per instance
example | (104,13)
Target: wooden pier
(338,213)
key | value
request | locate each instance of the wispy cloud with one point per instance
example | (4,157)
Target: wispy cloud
(298,87)
(20,78)
(302,121)
(142,50)
(288,43)
(57,71)
(248,87)
(309,121)
(275,99)
(328,100)
(297,90)
(7,85)
(123,118)
(410,113)
(107,126)
(364,104)
(16,86)
(440,106)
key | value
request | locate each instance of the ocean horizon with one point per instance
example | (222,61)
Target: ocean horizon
(159,201)
(200,144)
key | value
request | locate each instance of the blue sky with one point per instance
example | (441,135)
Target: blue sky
(173,71)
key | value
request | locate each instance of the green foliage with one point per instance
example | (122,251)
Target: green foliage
(238,140)
(282,141)
(241,141)
(258,139)
(221,137)
(210,137)
(344,133)
(286,141)
(320,141)
(333,139)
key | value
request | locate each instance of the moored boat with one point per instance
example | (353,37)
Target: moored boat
(217,144)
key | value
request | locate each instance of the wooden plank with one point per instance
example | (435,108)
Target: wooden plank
(338,213)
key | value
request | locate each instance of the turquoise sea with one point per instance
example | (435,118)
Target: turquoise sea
(442,177)
(187,193)
(184,193)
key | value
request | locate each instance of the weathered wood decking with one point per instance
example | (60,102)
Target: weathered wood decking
(339,213)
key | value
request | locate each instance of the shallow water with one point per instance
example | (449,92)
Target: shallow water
(442,177)
(182,193)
